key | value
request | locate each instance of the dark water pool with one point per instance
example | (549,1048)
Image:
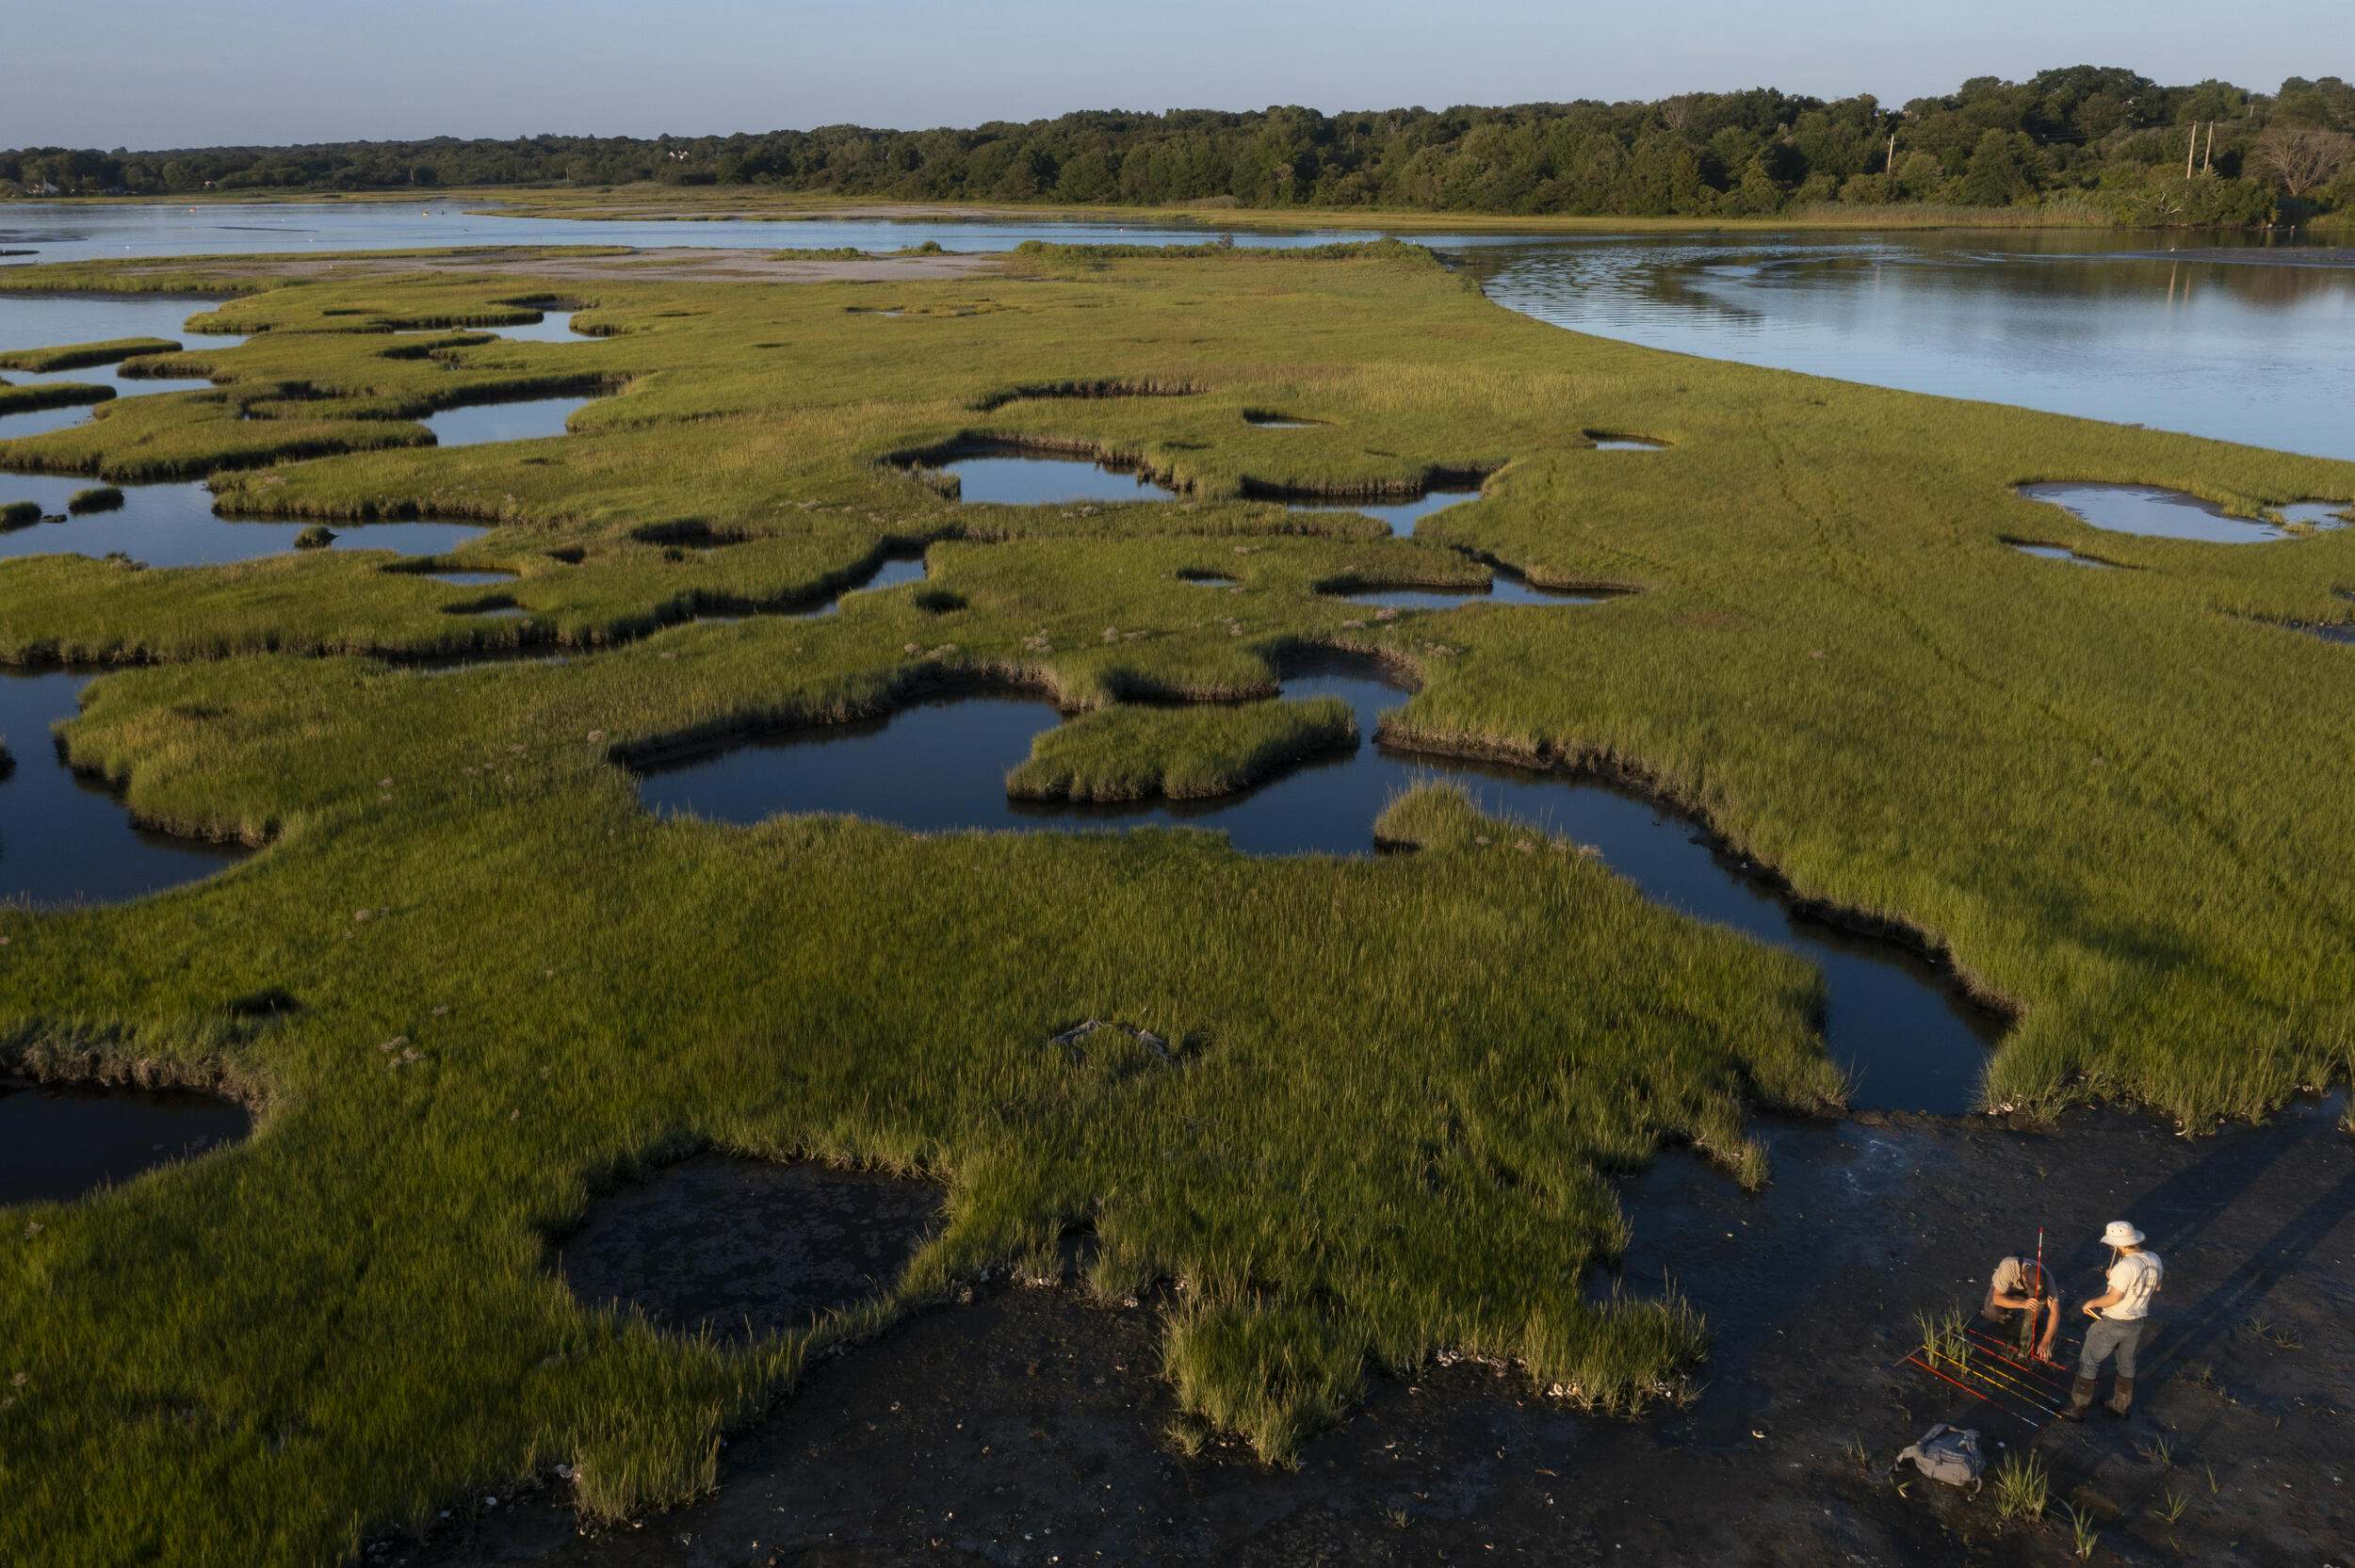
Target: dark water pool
(940,766)
(58,1142)
(173,525)
(65,839)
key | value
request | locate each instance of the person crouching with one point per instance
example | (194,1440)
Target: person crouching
(2019,1295)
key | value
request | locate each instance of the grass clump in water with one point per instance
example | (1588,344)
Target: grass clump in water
(81,356)
(94,498)
(1136,754)
(51,395)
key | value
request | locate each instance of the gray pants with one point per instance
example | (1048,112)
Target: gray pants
(2108,1334)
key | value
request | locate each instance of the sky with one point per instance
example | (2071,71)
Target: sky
(157,73)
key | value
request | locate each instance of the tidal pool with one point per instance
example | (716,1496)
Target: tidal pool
(59,1141)
(507,419)
(65,839)
(2150,510)
(2054,552)
(173,525)
(1011,476)
(1006,475)
(894,571)
(552,327)
(1401,516)
(1892,1019)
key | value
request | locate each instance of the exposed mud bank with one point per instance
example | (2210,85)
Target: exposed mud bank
(746,1248)
(1126,387)
(1029,1427)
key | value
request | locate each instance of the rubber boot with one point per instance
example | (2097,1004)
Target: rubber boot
(2080,1401)
(2123,1397)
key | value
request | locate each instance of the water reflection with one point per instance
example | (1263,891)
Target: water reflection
(2084,323)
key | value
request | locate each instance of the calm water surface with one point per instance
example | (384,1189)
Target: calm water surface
(941,767)
(59,1143)
(510,419)
(173,525)
(65,839)
(50,321)
(2091,324)
(2147,510)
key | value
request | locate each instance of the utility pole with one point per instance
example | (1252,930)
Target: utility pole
(2190,147)
(2207,155)
(1892,171)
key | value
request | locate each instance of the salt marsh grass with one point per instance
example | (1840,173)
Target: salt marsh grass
(2116,800)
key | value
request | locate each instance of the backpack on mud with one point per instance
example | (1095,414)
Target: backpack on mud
(1949,1454)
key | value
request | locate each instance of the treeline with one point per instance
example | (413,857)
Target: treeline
(2100,142)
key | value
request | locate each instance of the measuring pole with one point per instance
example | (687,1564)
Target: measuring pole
(2000,1409)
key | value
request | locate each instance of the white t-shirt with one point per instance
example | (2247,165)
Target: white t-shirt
(2135,1277)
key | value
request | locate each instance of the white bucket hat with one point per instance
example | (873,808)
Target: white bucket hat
(2119,1234)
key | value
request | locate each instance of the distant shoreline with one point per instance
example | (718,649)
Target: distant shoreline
(706,204)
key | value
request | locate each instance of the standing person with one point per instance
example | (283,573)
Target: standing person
(2018,1286)
(2119,1315)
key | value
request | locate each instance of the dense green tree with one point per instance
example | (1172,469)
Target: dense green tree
(2075,135)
